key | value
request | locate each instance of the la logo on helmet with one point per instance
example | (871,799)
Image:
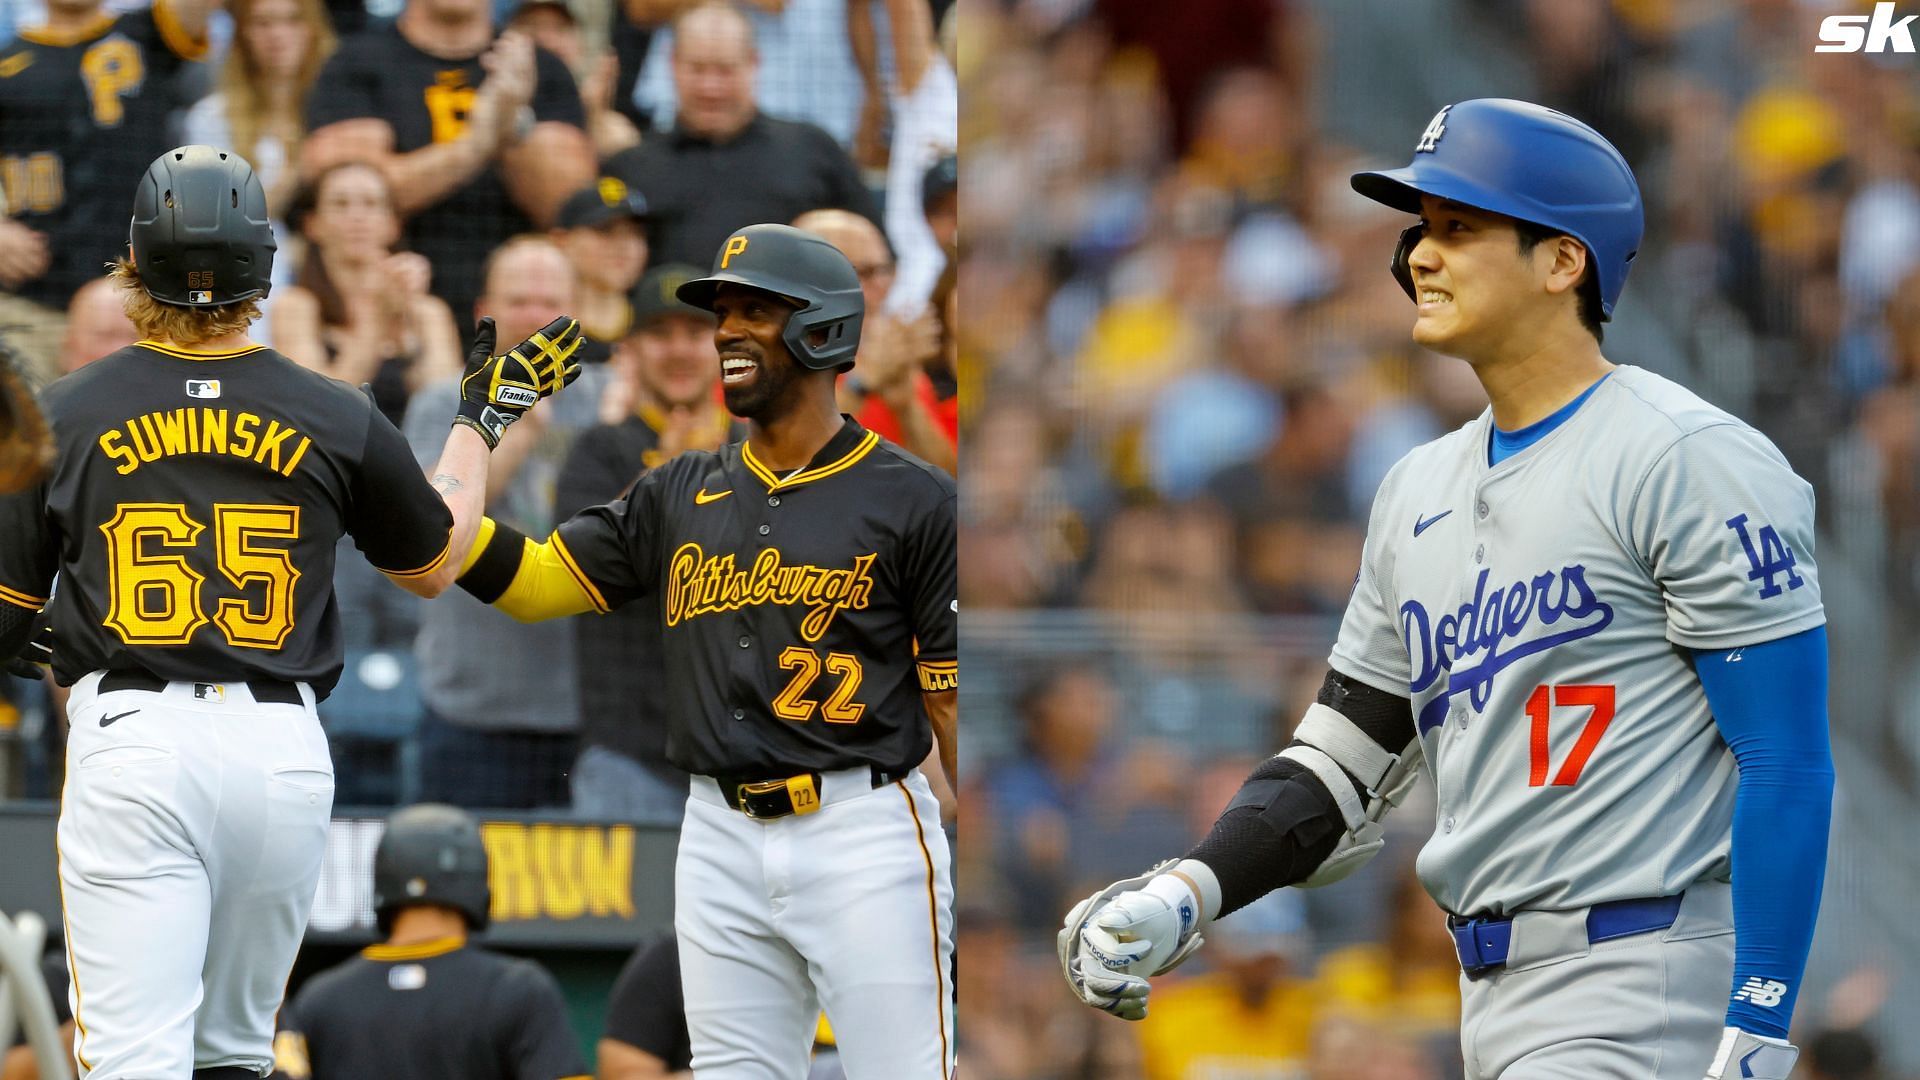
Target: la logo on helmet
(1430,138)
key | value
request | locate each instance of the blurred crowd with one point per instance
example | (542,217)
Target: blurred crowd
(430,162)
(1186,370)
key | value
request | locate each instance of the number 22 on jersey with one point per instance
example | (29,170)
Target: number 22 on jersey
(154,591)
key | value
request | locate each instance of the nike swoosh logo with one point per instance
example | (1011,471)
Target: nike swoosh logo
(106,720)
(15,64)
(701,498)
(1423,524)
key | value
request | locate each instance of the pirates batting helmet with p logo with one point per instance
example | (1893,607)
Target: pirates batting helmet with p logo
(805,270)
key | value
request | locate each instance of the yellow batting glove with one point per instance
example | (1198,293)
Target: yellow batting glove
(497,390)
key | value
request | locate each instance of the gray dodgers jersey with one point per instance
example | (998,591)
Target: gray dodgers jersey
(1539,614)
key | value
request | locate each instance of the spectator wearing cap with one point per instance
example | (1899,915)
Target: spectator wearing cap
(664,378)
(725,164)
(602,229)
(889,390)
(479,135)
(940,201)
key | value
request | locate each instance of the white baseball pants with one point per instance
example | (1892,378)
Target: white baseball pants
(849,909)
(191,832)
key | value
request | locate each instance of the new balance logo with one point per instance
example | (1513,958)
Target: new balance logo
(1765,993)
(1876,33)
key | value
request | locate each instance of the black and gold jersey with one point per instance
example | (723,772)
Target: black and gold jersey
(801,616)
(425,99)
(82,115)
(193,515)
(434,1011)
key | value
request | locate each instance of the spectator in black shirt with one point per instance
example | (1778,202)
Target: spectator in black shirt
(480,137)
(725,165)
(84,101)
(660,402)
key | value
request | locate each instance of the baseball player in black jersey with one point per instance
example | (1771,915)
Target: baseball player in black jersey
(806,586)
(201,485)
(426,1005)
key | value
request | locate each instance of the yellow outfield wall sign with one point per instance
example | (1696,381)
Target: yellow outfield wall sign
(555,883)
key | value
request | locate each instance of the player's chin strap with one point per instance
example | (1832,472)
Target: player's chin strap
(1333,748)
(1746,1056)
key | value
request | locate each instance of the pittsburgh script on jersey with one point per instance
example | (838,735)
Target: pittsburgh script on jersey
(1490,618)
(156,435)
(701,584)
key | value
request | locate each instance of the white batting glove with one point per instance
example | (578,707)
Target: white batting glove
(1134,928)
(1743,1055)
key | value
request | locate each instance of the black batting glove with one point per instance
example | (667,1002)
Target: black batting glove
(37,653)
(497,390)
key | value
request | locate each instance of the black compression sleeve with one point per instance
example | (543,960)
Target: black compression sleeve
(1284,822)
(493,571)
(1280,827)
(17,626)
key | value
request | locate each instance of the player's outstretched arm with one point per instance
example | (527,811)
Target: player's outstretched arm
(1307,816)
(1770,702)
(495,392)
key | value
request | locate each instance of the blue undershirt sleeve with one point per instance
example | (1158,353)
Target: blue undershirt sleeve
(1770,701)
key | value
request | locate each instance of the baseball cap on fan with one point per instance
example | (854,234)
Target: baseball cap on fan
(608,199)
(657,295)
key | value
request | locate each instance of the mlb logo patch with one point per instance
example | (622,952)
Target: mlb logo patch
(203,388)
(199,296)
(213,692)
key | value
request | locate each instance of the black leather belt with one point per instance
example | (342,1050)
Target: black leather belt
(785,796)
(271,691)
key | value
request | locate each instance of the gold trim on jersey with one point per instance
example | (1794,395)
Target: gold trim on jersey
(430,567)
(60,39)
(425,950)
(774,483)
(20,599)
(939,675)
(559,547)
(183,44)
(185,353)
(933,923)
(66,930)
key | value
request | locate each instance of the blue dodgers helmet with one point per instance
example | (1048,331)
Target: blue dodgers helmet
(1525,161)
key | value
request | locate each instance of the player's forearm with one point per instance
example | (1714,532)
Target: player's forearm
(530,581)
(460,477)
(1771,708)
(943,711)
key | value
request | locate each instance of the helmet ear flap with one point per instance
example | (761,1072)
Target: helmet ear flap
(1402,267)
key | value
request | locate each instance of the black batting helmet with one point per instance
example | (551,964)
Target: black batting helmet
(804,269)
(431,854)
(200,234)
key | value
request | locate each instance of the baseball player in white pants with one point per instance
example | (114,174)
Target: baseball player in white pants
(202,486)
(1592,612)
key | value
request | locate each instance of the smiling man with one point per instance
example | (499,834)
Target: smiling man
(805,580)
(1593,613)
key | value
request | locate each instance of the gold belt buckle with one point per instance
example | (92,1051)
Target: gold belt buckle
(801,794)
